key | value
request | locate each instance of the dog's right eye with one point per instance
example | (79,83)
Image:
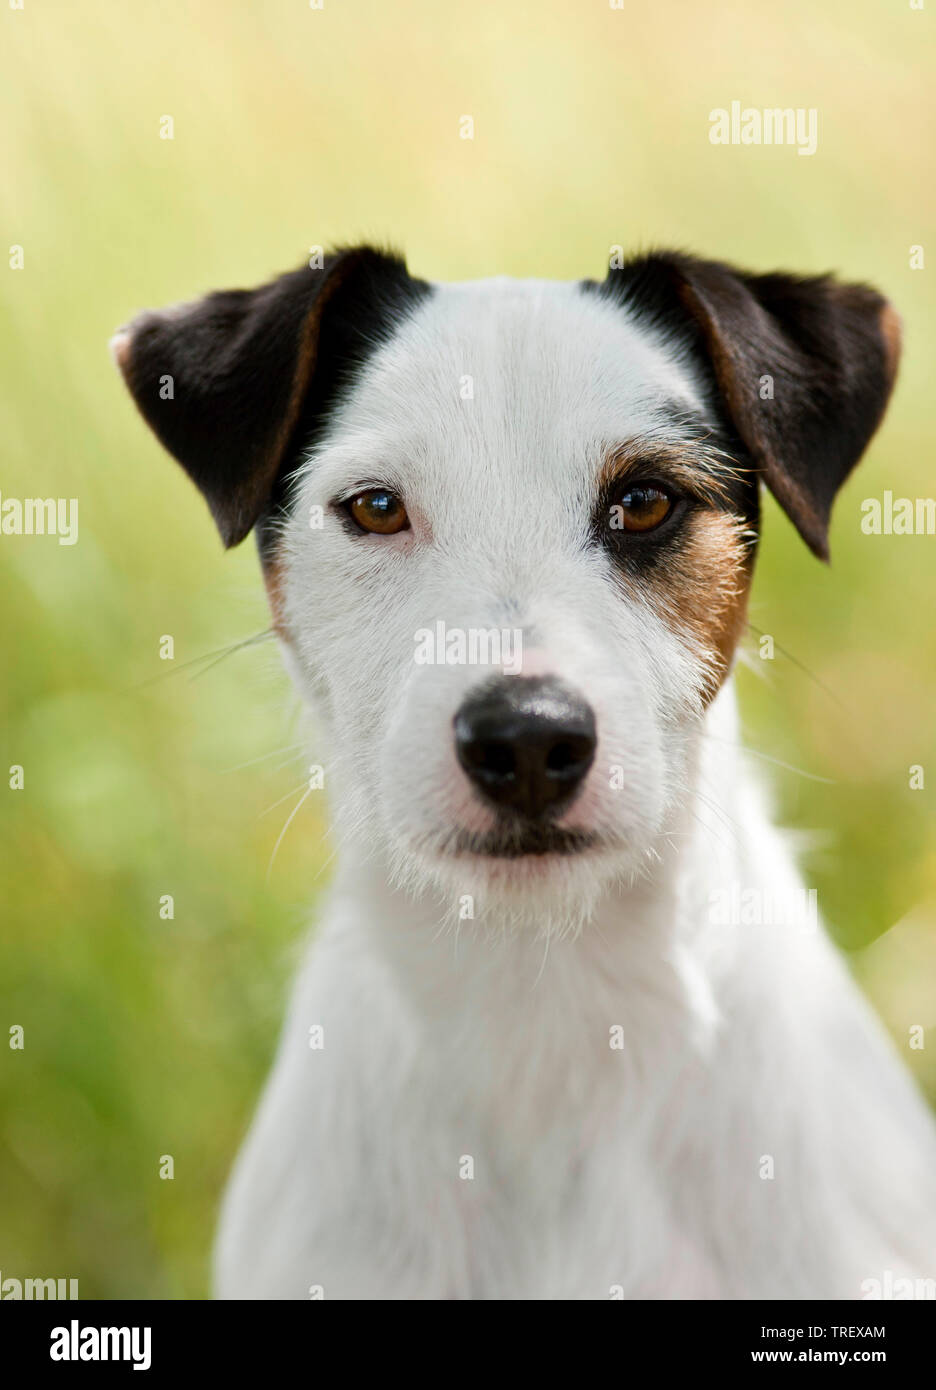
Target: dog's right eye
(378,511)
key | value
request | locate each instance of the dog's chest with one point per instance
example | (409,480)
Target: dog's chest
(464,1149)
(599,1227)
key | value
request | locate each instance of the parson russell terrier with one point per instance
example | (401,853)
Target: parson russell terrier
(547,1069)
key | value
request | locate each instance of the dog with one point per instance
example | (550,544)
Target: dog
(525,1058)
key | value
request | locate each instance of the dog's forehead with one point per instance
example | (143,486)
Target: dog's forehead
(524,371)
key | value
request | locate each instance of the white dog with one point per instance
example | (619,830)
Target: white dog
(507,529)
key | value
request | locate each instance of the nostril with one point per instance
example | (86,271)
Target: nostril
(567,757)
(495,759)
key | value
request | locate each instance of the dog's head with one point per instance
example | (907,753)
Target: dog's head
(508,527)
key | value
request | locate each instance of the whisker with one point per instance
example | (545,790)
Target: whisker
(235,647)
(710,830)
(340,841)
(212,658)
(777,762)
(708,798)
(252,762)
(323,866)
(722,816)
(539,976)
(800,666)
(289,820)
(303,783)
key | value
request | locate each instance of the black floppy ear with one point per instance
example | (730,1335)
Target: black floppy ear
(830,352)
(231,384)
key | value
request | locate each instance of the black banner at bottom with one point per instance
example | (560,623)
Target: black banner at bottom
(162,1339)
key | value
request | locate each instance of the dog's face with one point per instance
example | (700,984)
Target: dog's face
(541,471)
(508,529)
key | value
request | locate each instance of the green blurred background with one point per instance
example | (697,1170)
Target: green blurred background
(295,127)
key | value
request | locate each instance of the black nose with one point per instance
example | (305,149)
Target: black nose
(526,742)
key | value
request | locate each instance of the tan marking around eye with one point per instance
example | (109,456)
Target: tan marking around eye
(703,591)
(273,578)
(696,466)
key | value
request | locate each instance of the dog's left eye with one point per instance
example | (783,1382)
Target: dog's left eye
(379,511)
(641,507)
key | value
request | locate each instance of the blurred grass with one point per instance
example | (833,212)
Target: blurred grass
(295,127)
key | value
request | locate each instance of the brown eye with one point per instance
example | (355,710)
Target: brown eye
(379,511)
(643,507)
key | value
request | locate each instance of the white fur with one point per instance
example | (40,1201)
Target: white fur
(596,1169)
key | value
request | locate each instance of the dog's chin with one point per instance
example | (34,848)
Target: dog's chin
(546,876)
